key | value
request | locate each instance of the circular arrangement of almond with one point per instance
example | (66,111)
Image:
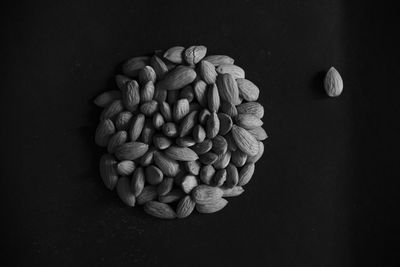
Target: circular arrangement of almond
(182,132)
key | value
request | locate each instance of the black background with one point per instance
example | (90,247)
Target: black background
(324,194)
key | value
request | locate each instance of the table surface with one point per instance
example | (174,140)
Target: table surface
(318,193)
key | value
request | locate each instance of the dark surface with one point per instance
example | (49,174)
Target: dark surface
(324,194)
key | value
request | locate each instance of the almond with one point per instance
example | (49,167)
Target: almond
(131,150)
(122,121)
(186,92)
(165,110)
(172,196)
(207,72)
(124,192)
(236,71)
(188,183)
(225,123)
(232,175)
(149,108)
(177,78)
(255,158)
(231,142)
(148,157)
(220,146)
(185,207)
(167,165)
(253,108)
(175,54)
(158,121)
(147,74)
(148,193)
(203,147)
(125,167)
(130,95)
(181,153)
(246,173)
(232,192)
(172,96)
(193,167)
(132,66)
(161,142)
(213,206)
(248,121)
(121,80)
(107,171)
(222,160)
(104,131)
(147,132)
(248,90)
(204,114)
(227,88)
(159,66)
(229,109)
(200,92)
(213,99)
(159,210)
(219,178)
(147,92)
(212,127)
(238,158)
(105,99)
(204,194)
(194,54)
(117,139)
(181,109)
(207,172)
(153,175)
(333,83)
(136,127)
(186,141)
(208,158)
(245,141)
(169,129)
(160,94)
(217,60)
(138,181)
(187,124)
(199,134)
(112,110)
(259,133)
(165,186)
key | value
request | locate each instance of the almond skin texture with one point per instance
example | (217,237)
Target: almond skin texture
(213,206)
(236,71)
(104,131)
(253,108)
(194,54)
(246,173)
(181,153)
(130,95)
(227,88)
(245,141)
(159,67)
(204,194)
(200,92)
(136,127)
(112,110)
(213,98)
(168,166)
(116,140)
(259,133)
(333,83)
(217,60)
(131,150)
(159,210)
(148,193)
(185,207)
(207,72)
(175,54)
(232,192)
(248,121)
(105,99)
(248,90)
(124,192)
(177,78)
(107,171)
(132,66)
(138,181)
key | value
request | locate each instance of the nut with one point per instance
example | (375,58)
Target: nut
(333,83)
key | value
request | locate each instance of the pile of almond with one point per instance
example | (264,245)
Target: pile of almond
(182,132)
